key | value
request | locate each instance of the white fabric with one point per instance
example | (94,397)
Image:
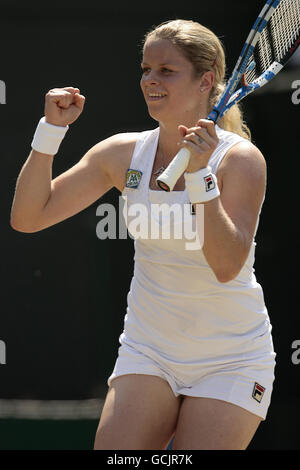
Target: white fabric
(232,382)
(178,314)
(202,185)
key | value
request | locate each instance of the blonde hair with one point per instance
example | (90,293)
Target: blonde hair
(205,51)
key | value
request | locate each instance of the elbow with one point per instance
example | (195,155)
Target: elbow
(224,278)
(228,271)
(23,228)
(226,275)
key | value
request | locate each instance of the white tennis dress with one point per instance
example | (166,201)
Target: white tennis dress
(206,338)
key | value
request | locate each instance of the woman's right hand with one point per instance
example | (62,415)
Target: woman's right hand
(63,105)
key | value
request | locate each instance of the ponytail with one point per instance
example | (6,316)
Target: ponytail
(232,120)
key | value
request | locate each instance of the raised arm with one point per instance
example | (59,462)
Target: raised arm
(230,218)
(39,201)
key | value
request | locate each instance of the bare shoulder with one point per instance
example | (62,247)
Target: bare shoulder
(244,161)
(113,156)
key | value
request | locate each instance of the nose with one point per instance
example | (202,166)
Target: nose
(150,78)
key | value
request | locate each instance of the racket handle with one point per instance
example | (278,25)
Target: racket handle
(174,170)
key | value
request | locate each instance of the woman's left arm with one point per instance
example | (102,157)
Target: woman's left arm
(230,220)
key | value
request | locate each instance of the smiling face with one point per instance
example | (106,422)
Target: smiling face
(170,88)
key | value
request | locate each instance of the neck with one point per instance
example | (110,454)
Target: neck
(169,136)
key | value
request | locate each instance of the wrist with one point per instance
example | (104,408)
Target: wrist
(48,137)
(202,185)
(53,122)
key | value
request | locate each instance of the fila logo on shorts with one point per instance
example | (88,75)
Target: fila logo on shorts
(258,391)
(209,183)
(133,178)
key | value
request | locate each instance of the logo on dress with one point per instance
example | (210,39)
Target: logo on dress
(209,183)
(192,209)
(258,391)
(133,178)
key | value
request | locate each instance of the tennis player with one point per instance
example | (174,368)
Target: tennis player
(196,359)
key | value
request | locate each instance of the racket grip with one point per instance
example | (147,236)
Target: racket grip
(174,170)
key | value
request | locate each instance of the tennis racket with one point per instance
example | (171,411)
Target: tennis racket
(272,41)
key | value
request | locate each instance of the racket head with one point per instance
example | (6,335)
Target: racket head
(273,40)
(278,41)
(282,18)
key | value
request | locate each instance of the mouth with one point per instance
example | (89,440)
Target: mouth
(155,96)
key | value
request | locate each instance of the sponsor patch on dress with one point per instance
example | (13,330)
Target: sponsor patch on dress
(258,392)
(133,178)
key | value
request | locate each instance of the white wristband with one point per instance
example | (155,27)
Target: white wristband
(202,185)
(47,137)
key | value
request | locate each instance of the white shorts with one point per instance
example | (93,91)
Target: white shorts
(248,386)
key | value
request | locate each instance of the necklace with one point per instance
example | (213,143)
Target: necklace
(162,168)
(159,171)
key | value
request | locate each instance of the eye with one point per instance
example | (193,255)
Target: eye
(166,70)
(145,70)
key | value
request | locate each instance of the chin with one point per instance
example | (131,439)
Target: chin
(156,114)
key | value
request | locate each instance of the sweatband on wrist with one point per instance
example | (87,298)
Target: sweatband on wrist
(202,185)
(48,137)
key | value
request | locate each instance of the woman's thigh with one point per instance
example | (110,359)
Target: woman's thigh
(140,412)
(211,424)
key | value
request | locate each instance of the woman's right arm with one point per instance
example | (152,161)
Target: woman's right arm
(40,202)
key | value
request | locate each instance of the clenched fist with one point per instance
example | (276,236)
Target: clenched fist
(63,105)
(201,141)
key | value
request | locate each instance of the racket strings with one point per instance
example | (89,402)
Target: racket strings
(276,39)
(285,26)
